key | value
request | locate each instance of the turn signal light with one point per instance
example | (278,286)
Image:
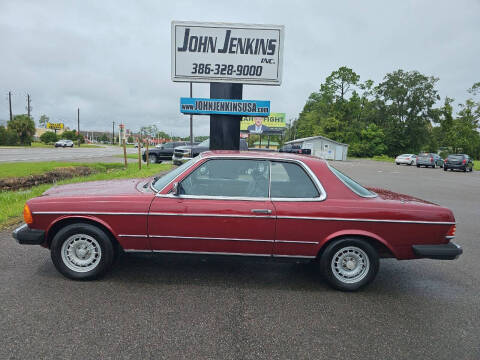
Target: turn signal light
(451,231)
(27,215)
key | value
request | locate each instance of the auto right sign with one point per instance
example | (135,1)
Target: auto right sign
(233,53)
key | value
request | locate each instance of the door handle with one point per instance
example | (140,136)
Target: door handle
(261,211)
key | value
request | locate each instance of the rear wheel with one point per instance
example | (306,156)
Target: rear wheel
(349,264)
(82,251)
(411,163)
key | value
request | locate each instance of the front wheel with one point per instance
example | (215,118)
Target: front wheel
(82,251)
(152,159)
(349,264)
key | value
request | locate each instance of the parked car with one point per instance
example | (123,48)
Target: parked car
(182,154)
(429,160)
(64,143)
(458,162)
(270,205)
(294,149)
(407,159)
(163,152)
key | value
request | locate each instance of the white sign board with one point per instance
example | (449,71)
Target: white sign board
(233,53)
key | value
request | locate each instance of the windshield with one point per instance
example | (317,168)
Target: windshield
(352,184)
(160,183)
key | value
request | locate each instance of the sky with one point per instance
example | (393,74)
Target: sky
(112,58)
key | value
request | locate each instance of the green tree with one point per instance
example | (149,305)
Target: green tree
(48,137)
(130,139)
(44,119)
(24,127)
(8,136)
(408,99)
(372,142)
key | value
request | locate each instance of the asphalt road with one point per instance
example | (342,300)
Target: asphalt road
(164,307)
(62,154)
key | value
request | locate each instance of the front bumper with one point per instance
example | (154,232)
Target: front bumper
(180,160)
(449,251)
(26,236)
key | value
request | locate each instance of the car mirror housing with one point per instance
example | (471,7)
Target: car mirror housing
(175,189)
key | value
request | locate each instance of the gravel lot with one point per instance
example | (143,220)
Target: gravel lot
(165,307)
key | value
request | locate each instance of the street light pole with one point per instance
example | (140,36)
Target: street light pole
(113,132)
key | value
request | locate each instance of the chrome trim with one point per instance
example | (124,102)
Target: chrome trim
(294,256)
(214,215)
(132,235)
(366,220)
(374,195)
(450,237)
(297,242)
(209,238)
(208,253)
(310,173)
(134,250)
(87,213)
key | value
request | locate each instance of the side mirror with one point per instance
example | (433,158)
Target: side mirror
(175,189)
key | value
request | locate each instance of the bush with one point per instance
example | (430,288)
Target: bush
(8,136)
(24,127)
(48,137)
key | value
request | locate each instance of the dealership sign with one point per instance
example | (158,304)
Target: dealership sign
(232,53)
(202,106)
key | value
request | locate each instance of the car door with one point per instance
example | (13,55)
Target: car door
(222,207)
(296,195)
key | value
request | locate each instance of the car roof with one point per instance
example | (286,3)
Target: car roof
(261,154)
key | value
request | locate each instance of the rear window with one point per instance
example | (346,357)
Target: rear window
(455,157)
(423,154)
(352,184)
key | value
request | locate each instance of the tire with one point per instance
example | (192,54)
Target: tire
(152,158)
(411,163)
(350,252)
(464,169)
(418,166)
(397,163)
(434,166)
(72,258)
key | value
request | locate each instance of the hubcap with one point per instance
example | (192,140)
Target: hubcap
(350,264)
(81,253)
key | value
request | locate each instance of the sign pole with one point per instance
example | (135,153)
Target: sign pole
(225,129)
(191,119)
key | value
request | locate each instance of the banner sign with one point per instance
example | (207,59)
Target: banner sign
(202,106)
(274,124)
(221,52)
(56,126)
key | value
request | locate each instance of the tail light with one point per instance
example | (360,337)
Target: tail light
(451,231)
(464,161)
(431,159)
(27,215)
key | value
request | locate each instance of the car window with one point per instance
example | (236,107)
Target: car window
(352,184)
(228,177)
(160,183)
(289,180)
(168,145)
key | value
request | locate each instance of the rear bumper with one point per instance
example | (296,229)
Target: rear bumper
(449,251)
(455,166)
(26,236)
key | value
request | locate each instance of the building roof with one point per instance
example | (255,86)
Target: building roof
(313,138)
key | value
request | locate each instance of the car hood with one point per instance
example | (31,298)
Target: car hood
(104,187)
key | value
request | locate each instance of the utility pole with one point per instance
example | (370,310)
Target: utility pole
(191,120)
(10,104)
(28,105)
(113,132)
(78,126)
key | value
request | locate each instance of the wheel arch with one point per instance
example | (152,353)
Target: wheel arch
(383,248)
(67,220)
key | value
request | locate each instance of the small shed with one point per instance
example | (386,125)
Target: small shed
(323,147)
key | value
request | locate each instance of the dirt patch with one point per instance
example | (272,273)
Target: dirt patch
(25,182)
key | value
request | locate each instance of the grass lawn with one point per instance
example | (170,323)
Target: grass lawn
(129,156)
(12,202)
(19,169)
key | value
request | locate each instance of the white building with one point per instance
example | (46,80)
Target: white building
(323,147)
